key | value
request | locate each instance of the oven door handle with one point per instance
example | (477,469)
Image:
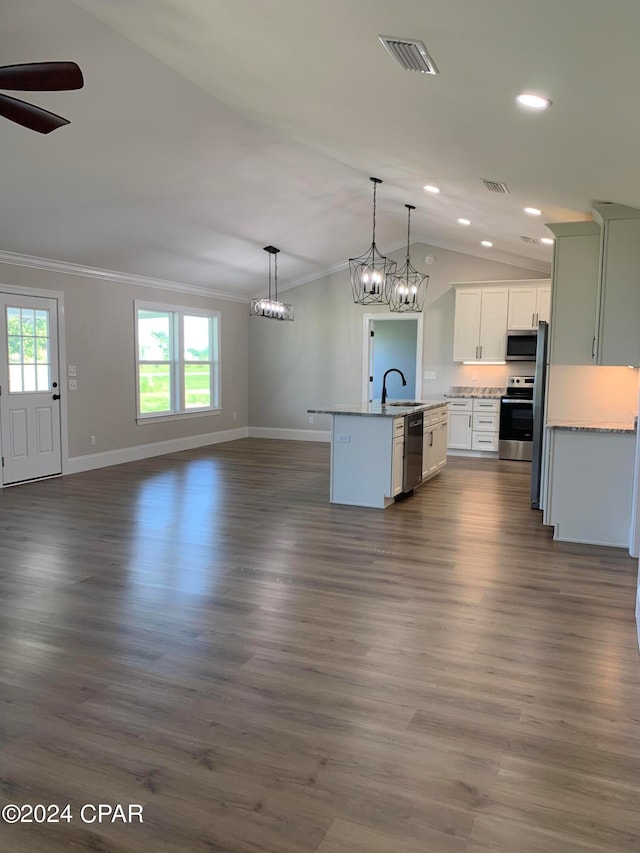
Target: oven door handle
(514,400)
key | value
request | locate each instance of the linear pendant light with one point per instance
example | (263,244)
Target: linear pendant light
(271,308)
(370,272)
(407,286)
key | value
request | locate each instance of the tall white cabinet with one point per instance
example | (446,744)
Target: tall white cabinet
(617,339)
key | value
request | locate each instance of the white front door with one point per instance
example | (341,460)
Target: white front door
(29,388)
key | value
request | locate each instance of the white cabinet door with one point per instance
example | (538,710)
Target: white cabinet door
(440,446)
(522,308)
(427,441)
(543,305)
(460,430)
(397,465)
(575,289)
(466,331)
(493,324)
(617,337)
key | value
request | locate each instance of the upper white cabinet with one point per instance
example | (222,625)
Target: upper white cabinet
(528,305)
(575,291)
(596,289)
(480,323)
(617,335)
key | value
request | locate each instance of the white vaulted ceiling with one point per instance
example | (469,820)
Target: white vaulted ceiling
(207,129)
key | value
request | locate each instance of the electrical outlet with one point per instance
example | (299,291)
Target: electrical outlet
(73,385)
(474,378)
(92,441)
(429,374)
(344,438)
(310,419)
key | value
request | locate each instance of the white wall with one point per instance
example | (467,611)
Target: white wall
(591,393)
(99,334)
(317,359)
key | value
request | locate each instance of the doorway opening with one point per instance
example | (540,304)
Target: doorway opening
(392,340)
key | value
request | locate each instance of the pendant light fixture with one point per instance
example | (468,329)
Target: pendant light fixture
(407,286)
(271,308)
(370,272)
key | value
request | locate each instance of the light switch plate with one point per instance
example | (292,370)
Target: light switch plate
(429,374)
(344,438)
(72,370)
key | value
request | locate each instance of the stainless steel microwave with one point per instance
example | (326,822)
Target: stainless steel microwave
(521,345)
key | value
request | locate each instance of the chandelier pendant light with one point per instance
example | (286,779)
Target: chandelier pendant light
(408,287)
(271,308)
(370,273)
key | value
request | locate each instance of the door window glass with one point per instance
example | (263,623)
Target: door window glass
(28,349)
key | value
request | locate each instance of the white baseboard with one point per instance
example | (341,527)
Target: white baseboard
(157,448)
(290,434)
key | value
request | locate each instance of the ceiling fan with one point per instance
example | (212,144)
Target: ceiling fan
(37,77)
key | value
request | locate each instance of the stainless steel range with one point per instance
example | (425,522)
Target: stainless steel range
(515,440)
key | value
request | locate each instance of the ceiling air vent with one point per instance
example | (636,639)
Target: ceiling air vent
(533,241)
(496,187)
(410,54)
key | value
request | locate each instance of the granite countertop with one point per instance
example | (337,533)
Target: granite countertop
(485,393)
(627,427)
(376,409)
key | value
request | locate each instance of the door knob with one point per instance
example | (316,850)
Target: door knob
(56,396)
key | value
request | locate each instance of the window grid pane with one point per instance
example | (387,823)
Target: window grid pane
(28,345)
(155,387)
(197,385)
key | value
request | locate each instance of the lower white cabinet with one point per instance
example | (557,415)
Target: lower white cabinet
(589,486)
(460,421)
(397,464)
(474,424)
(434,442)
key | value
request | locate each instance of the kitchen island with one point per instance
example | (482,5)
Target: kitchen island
(368,448)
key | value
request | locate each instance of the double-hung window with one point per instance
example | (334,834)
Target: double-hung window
(177,360)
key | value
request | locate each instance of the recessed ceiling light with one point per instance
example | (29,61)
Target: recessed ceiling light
(431,189)
(532,211)
(463,221)
(533,102)
(486,243)
(548,241)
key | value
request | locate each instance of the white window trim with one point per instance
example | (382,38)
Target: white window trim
(177,364)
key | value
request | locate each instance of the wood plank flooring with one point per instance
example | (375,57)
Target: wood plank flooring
(205,635)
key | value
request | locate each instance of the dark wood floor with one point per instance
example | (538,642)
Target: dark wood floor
(203,634)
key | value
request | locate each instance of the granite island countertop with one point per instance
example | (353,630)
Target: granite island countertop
(376,409)
(623,427)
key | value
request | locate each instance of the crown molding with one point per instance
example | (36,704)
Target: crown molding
(68,268)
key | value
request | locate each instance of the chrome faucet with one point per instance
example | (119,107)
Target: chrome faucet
(383,399)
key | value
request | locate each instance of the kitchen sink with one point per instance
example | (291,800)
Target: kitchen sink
(405,403)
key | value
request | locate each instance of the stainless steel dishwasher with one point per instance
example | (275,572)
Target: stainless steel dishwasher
(412,468)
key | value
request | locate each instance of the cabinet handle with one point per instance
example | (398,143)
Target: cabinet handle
(537,319)
(480,350)
(533,318)
(431,442)
(593,348)
(469,420)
